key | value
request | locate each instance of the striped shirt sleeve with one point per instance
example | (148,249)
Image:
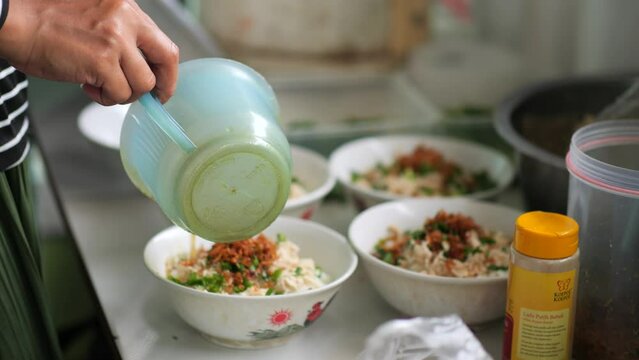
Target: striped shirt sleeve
(14,124)
(4,10)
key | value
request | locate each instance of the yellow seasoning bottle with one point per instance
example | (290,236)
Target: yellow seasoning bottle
(542,287)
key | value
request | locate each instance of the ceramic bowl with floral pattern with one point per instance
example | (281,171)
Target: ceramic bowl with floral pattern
(242,321)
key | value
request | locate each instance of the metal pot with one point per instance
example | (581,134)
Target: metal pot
(538,122)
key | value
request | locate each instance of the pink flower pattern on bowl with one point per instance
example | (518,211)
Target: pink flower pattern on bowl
(282,316)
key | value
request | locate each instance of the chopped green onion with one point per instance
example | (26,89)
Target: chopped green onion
(483,181)
(281,238)
(213,283)
(378,246)
(471,251)
(487,240)
(269,291)
(493,267)
(192,279)
(276,274)
(424,169)
(442,227)
(418,234)
(389,258)
(298,271)
(457,188)
(382,168)
(408,174)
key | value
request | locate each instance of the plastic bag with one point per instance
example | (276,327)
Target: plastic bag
(441,338)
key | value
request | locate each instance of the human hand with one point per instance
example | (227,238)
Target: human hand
(111,47)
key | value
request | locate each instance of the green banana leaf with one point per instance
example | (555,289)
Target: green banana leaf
(26,330)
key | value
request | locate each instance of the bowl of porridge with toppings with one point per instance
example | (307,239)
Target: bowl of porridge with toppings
(258,266)
(395,167)
(310,184)
(253,293)
(432,257)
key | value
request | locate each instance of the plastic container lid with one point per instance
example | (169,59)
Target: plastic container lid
(605,174)
(546,235)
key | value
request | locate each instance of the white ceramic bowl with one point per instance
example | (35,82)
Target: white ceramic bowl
(312,170)
(475,300)
(363,154)
(255,321)
(102,124)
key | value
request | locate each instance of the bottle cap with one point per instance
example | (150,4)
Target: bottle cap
(546,235)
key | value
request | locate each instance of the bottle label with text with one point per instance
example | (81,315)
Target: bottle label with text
(538,315)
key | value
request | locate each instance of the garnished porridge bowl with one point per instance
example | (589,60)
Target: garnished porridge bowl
(259,303)
(433,257)
(377,169)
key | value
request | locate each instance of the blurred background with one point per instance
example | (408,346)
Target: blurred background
(438,64)
(545,38)
(344,69)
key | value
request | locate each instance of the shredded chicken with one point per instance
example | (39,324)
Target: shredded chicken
(448,245)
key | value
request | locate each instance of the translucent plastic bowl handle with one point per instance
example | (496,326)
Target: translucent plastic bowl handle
(166,122)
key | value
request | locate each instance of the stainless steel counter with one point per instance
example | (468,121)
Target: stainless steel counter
(112,233)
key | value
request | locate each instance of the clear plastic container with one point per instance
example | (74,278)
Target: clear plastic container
(604,199)
(236,181)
